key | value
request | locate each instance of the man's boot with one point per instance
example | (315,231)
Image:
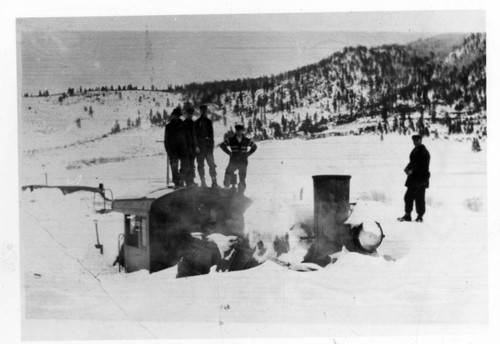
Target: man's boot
(241,188)
(405,218)
(203,183)
(214,183)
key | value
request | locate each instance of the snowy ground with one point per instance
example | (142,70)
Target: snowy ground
(429,278)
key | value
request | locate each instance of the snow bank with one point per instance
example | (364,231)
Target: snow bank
(429,273)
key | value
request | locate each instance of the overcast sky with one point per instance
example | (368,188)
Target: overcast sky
(394,21)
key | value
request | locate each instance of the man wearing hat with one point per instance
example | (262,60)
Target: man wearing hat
(239,148)
(176,146)
(417,181)
(204,146)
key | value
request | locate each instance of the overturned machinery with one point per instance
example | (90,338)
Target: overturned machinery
(185,227)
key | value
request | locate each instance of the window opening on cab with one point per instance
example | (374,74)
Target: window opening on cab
(135,231)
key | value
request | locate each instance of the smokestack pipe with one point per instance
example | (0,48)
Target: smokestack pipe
(331,207)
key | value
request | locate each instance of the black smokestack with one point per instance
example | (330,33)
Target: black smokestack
(331,208)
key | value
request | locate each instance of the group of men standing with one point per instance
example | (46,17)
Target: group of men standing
(189,140)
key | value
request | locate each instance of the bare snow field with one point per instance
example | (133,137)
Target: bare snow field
(427,279)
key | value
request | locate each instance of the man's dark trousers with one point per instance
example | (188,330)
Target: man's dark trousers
(206,153)
(417,195)
(179,176)
(241,166)
(190,169)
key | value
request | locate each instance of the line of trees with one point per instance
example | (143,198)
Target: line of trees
(80,91)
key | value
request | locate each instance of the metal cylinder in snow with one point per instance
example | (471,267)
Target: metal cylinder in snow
(331,206)
(369,235)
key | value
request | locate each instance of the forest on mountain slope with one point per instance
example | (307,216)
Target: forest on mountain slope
(360,81)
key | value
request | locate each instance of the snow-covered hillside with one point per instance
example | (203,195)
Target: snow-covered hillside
(428,278)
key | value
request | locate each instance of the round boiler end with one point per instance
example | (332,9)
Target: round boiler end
(370,236)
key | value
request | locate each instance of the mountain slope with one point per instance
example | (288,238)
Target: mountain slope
(359,82)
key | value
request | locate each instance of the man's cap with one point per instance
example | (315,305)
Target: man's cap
(416,137)
(176,112)
(239,127)
(190,111)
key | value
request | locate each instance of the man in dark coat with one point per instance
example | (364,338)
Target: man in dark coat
(239,148)
(176,147)
(191,146)
(204,146)
(417,181)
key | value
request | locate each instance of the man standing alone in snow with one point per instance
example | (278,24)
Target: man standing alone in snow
(241,148)
(417,181)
